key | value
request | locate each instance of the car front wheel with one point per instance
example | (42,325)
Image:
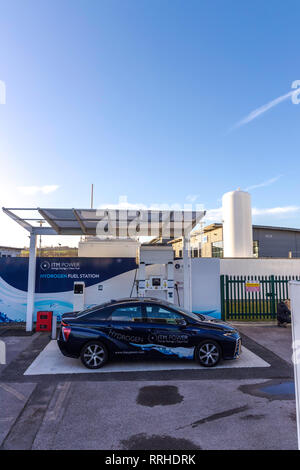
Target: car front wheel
(208,353)
(94,355)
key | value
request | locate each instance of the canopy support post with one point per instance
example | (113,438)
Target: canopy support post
(31,282)
(187,300)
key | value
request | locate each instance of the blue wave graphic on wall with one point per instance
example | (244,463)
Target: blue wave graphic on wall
(211,313)
(5,319)
(58,307)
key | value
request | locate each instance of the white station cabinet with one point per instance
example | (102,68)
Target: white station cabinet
(78,296)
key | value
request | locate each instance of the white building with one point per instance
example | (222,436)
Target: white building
(7,252)
(95,247)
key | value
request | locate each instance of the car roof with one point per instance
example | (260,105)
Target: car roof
(139,299)
(127,300)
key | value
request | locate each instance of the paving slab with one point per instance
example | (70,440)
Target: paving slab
(13,398)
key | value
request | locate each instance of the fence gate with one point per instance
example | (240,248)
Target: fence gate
(253,297)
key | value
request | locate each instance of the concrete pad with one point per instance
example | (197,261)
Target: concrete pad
(52,361)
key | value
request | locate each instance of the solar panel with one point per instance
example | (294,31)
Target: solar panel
(111,222)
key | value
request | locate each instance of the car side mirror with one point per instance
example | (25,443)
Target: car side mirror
(182,322)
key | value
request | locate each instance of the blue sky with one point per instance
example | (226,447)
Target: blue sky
(144,98)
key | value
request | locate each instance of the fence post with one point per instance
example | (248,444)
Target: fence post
(273,306)
(222,296)
(226,303)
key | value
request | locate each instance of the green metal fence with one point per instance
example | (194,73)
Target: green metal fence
(253,297)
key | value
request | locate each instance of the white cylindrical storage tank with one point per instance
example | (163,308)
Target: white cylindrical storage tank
(237,225)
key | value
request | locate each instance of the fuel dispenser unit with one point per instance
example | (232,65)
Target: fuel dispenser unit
(156,272)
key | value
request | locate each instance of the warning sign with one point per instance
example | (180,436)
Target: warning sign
(252,286)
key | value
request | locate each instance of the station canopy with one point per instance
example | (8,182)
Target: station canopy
(106,222)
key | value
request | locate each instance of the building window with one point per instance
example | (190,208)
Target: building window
(255,248)
(217,249)
(193,253)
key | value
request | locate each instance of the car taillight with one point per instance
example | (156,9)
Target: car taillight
(66,332)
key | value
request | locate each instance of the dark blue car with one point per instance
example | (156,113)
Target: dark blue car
(145,327)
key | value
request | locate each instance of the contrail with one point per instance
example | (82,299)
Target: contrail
(264,183)
(257,112)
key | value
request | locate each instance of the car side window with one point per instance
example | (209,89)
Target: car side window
(98,315)
(159,314)
(131,313)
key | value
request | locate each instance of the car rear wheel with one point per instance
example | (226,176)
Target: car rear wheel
(208,353)
(94,355)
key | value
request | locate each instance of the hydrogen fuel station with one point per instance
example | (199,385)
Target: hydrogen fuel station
(151,273)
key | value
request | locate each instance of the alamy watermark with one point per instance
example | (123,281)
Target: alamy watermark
(295,94)
(156,221)
(2,352)
(2,92)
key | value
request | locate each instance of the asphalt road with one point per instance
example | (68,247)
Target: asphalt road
(231,409)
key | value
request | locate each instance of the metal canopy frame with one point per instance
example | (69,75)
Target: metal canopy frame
(85,222)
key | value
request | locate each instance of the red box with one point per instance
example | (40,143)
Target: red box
(44,321)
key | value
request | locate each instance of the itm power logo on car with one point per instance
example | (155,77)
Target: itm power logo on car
(144,459)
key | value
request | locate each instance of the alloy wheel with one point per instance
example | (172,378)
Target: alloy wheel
(94,355)
(209,354)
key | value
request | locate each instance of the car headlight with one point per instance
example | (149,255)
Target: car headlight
(230,332)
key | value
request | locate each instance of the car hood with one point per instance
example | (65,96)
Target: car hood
(215,322)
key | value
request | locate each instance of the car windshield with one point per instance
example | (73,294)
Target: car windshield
(192,315)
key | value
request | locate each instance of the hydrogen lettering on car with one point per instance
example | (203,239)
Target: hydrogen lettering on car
(121,337)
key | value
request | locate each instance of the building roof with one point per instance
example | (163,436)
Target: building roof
(210,227)
(11,248)
(215,226)
(270,227)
